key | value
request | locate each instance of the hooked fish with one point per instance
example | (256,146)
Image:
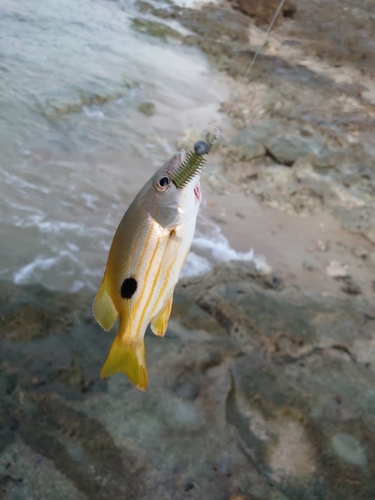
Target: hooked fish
(147,254)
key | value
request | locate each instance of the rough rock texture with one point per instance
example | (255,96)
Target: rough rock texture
(256,392)
(330,181)
(308,102)
(319,178)
(264,10)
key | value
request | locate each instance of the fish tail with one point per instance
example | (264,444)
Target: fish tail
(128,357)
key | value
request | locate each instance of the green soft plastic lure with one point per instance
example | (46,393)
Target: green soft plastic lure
(193,163)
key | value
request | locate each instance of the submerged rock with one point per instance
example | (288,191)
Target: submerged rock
(154,28)
(147,108)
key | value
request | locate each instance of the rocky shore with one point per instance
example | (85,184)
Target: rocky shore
(302,120)
(258,391)
(305,112)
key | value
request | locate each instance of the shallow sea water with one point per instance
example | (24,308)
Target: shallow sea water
(74,148)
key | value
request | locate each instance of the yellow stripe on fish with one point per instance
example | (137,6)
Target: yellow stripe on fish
(148,251)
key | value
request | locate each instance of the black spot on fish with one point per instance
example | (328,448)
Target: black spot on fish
(128,288)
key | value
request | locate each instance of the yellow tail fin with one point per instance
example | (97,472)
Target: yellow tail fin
(104,309)
(129,358)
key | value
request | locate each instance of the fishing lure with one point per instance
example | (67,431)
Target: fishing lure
(193,163)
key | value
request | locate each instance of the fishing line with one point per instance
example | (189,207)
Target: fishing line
(194,160)
(265,39)
(259,50)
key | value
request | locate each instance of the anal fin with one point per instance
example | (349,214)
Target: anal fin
(104,309)
(130,358)
(159,323)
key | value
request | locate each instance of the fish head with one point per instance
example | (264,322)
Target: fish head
(174,203)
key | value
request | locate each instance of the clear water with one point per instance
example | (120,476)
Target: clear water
(74,148)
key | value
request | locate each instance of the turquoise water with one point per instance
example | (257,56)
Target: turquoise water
(74,147)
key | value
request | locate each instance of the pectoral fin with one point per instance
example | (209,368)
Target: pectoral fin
(129,358)
(104,309)
(159,323)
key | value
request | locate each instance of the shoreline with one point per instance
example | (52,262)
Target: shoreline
(299,249)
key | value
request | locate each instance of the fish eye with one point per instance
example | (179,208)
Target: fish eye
(163,183)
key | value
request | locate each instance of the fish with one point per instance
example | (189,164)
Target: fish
(148,251)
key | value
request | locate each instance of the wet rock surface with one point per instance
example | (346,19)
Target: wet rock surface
(263,11)
(308,102)
(257,391)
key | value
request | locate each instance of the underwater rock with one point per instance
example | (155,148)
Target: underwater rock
(154,28)
(147,108)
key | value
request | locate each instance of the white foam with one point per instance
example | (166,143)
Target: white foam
(32,270)
(193,4)
(93,113)
(55,227)
(60,272)
(12,179)
(195,264)
(211,247)
(77,286)
(221,250)
(72,268)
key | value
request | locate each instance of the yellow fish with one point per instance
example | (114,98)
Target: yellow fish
(147,254)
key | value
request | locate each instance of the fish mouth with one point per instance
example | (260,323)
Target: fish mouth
(191,164)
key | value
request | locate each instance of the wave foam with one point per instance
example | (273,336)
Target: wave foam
(210,247)
(70,269)
(65,271)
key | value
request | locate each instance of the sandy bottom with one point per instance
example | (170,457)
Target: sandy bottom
(299,249)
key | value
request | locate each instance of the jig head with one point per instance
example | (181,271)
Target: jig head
(193,163)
